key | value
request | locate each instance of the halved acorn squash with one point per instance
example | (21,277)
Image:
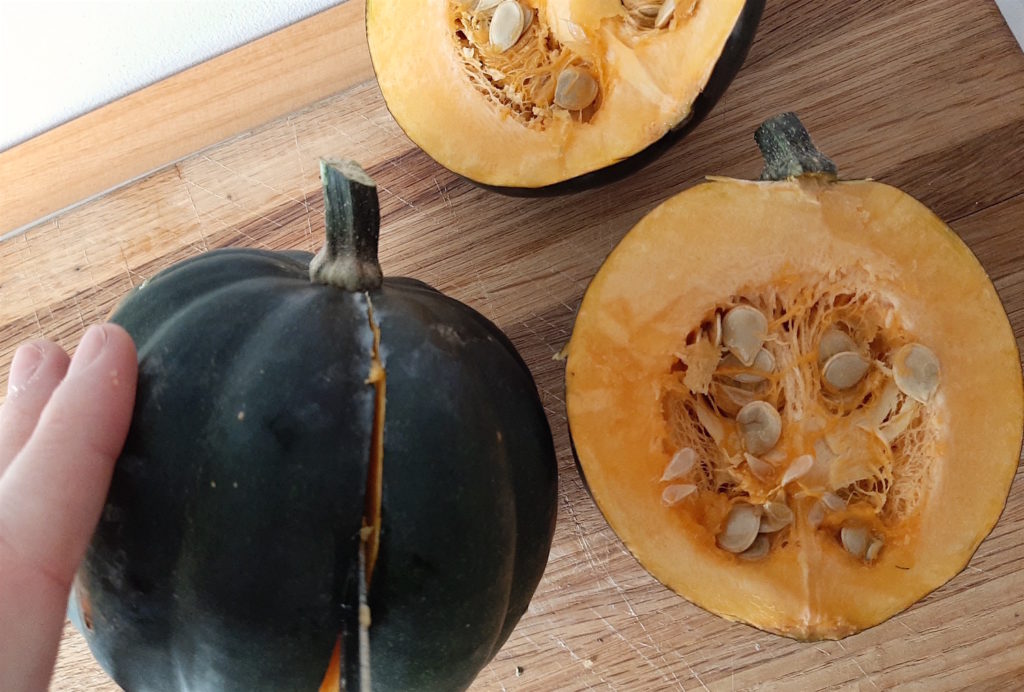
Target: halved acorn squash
(798,401)
(533,96)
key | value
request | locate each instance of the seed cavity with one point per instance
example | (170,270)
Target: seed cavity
(744,329)
(760,426)
(915,368)
(741,528)
(507,25)
(856,458)
(844,370)
(674,494)
(575,89)
(681,464)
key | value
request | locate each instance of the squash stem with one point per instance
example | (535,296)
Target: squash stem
(788,151)
(348,259)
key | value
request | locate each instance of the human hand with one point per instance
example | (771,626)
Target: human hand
(61,429)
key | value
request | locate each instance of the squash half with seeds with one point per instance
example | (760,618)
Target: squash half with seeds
(542,96)
(798,401)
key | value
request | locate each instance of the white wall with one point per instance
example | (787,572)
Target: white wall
(59,59)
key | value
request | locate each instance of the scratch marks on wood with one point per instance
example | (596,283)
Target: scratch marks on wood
(853,658)
(127,268)
(195,209)
(81,315)
(587,664)
(446,196)
(664,672)
(397,196)
(251,179)
(312,245)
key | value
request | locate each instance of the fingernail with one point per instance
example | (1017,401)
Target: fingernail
(26,361)
(89,349)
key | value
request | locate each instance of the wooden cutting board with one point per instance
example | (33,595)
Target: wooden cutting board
(927,95)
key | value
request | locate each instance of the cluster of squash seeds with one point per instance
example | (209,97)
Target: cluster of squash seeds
(646,15)
(515,60)
(834,364)
(748,527)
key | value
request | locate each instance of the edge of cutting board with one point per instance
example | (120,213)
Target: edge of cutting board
(146,130)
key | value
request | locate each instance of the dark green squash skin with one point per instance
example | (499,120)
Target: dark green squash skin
(728,65)
(226,557)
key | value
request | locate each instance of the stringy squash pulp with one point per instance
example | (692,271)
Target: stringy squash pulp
(797,402)
(530,93)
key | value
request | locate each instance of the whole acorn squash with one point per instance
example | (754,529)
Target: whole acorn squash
(798,401)
(330,477)
(551,96)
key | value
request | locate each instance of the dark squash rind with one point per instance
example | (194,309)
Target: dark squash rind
(216,463)
(227,555)
(435,547)
(728,65)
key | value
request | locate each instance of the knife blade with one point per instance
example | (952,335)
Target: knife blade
(1013,13)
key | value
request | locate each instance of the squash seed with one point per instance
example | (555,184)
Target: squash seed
(834,341)
(741,528)
(730,400)
(816,514)
(575,89)
(486,5)
(844,370)
(898,424)
(711,422)
(874,548)
(507,25)
(915,368)
(777,516)
(764,362)
(664,16)
(833,502)
(681,464)
(744,329)
(757,550)
(855,540)
(762,470)
(674,494)
(760,426)
(797,469)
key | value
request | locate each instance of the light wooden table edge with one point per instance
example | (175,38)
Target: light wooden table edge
(192,110)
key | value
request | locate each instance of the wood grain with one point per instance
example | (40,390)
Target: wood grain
(924,94)
(133,136)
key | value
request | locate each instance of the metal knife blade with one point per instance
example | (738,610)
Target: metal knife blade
(1013,13)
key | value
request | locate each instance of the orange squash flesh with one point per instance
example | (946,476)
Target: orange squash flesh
(729,241)
(444,87)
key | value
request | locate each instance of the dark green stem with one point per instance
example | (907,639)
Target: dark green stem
(788,151)
(348,259)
